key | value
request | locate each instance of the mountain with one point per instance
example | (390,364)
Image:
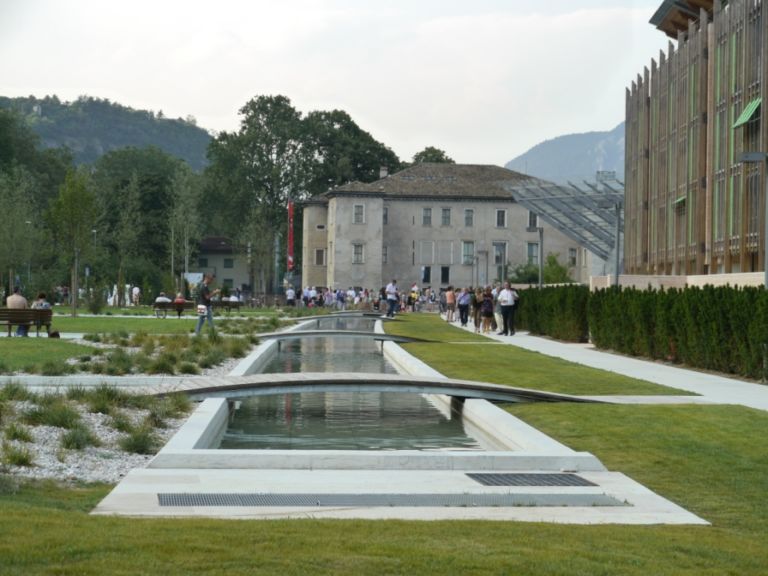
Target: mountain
(574,157)
(90,127)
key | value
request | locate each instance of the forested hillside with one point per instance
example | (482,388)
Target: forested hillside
(574,157)
(91,127)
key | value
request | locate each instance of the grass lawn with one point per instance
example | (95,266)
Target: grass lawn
(109,324)
(470,356)
(711,460)
(20,353)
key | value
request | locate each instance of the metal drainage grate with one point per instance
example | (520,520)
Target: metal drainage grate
(517,479)
(386,500)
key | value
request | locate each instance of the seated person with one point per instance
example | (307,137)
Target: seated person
(179,301)
(40,303)
(18,302)
(162,299)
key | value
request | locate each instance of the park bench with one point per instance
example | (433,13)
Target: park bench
(27,317)
(161,308)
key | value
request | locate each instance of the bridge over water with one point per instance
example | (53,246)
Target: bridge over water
(301,334)
(267,384)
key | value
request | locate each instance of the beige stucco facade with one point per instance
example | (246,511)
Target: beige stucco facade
(433,225)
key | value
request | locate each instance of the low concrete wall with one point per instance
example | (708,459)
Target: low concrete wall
(643,282)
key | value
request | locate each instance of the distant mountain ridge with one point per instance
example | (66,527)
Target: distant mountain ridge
(91,127)
(574,157)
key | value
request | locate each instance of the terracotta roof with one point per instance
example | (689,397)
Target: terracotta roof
(428,180)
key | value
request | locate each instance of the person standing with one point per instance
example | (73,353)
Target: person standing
(18,302)
(204,304)
(450,304)
(463,302)
(506,300)
(392,298)
(290,296)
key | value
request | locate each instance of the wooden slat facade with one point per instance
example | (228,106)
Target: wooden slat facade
(690,206)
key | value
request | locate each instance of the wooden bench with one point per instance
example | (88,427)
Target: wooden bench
(27,317)
(161,308)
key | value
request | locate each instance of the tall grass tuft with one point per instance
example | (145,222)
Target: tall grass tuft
(15,391)
(16,455)
(52,413)
(140,441)
(79,437)
(16,431)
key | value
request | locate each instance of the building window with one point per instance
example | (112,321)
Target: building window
(533,253)
(469,218)
(358,214)
(501,218)
(229,263)
(571,257)
(385,217)
(426,217)
(445,274)
(357,254)
(320,226)
(467,252)
(320,257)
(202,262)
(500,259)
(228,283)
(533,220)
(426,274)
(445,218)
(384,255)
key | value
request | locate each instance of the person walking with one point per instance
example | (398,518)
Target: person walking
(204,304)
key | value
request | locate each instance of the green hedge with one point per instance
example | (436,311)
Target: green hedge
(559,312)
(724,329)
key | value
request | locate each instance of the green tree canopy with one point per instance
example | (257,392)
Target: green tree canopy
(432,154)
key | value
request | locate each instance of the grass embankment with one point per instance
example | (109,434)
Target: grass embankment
(469,356)
(708,459)
(32,354)
(93,324)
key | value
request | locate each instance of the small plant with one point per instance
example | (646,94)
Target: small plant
(158,413)
(188,368)
(163,364)
(79,437)
(55,413)
(104,399)
(55,368)
(16,431)
(92,337)
(121,422)
(16,455)
(15,391)
(143,440)
(118,363)
(77,393)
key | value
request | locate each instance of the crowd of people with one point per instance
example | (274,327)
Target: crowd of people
(491,308)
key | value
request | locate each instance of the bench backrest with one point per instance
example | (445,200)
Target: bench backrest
(26,315)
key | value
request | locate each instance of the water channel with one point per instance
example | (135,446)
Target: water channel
(339,420)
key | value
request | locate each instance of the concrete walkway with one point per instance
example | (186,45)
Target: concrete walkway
(712,388)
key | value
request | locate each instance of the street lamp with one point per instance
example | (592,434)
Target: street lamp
(760,158)
(540,230)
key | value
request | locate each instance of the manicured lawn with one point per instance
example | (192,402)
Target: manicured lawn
(20,353)
(469,356)
(711,460)
(109,324)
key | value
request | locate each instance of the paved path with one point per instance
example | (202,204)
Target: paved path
(713,388)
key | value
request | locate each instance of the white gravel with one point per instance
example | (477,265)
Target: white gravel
(105,463)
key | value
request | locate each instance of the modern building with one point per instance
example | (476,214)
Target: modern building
(431,224)
(695,144)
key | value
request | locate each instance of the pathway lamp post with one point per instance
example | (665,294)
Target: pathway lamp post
(761,158)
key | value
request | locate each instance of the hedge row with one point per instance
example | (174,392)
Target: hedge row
(559,312)
(716,328)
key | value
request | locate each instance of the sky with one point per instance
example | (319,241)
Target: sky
(483,80)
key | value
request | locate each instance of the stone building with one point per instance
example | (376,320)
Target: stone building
(432,224)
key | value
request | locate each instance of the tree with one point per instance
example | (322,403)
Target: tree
(127,231)
(185,221)
(256,170)
(554,272)
(71,219)
(432,154)
(17,229)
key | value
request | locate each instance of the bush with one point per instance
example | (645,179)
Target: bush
(15,431)
(16,455)
(78,438)
(140,441)
(52,413)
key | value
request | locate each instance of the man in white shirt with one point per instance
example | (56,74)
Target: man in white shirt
(290,296)
(506,298)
